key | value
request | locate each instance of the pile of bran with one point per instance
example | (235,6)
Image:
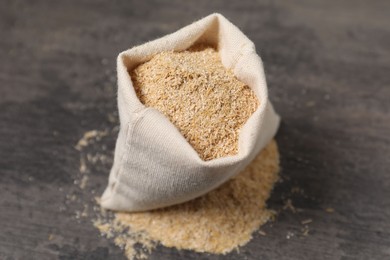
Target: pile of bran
(203,99)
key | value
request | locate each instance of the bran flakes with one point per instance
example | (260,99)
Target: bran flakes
(203,99)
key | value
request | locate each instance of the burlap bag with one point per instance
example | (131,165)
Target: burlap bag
(154,166)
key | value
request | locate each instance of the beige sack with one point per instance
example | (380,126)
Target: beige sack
(154,165)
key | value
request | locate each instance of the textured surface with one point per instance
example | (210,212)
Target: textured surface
(327,69)
(206,102)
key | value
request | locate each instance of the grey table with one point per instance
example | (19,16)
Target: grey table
(327,66)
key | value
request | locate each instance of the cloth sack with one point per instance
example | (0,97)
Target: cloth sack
(154,166)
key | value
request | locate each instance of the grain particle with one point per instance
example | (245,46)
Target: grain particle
(305,230)
(83,165)
(288,205)
(290,234)
(306,221)
(329,210)
(51,237)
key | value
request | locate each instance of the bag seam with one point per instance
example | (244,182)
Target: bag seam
(139,113)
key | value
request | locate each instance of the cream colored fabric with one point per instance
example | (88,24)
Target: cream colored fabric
(154,165)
